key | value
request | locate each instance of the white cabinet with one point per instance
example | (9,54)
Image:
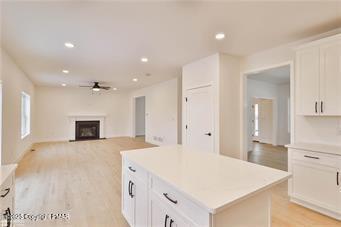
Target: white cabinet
(307,82)
(134,197)
(7,192)
(318,78)
(330,78)
(316,181)
(162,215)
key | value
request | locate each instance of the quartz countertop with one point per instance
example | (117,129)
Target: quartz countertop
(213,181)
(5,171)
(322,148)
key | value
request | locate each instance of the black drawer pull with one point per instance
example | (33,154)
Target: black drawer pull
(315,107)
(7,215)
(131,169)
(308,156)
(171,223)
(337,179)
(131,190)
(166,219)
(173,201)
(6,193)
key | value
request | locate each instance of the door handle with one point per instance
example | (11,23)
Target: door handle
(171,223)
(166,219)
(208,134)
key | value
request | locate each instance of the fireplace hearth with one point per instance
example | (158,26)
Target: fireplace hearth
(87,130)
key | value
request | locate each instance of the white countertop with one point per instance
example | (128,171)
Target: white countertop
(322,148)
(5,171)
(213,181)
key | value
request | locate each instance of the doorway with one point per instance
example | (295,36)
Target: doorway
(267,121)
(199,119)
(140,118)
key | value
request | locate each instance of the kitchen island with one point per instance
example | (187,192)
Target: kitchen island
(175,186)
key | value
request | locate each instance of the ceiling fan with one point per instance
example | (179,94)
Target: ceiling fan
(97,87)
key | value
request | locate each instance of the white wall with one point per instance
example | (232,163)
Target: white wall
(161,112)
(14,82)
(54,105)
(307,129)
(283,127)
(140,116)
(221,71)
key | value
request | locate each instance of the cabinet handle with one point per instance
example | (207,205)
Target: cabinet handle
(315,107)
(131,190)
(337,178)
(173,201)
(166,219)
(7,191)
(8,217)
(308,156)
(208,134)
(131,169)
(321,106)
(171,223)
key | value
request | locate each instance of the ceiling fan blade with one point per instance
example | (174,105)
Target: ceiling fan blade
(85,86)
(105,88)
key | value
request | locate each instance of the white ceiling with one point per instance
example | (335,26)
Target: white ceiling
(278,75)
(111,37)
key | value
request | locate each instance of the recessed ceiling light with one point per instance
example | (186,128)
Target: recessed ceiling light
(63,85)
(220,36)
(115,88)
(65,71)
(69,45)
(144,59)
(135,79)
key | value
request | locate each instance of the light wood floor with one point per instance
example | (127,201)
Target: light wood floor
(84,179)
(268,155)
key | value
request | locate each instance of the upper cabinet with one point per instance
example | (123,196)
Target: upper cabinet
(318,78)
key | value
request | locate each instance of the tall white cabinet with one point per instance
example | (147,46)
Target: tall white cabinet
(318,78)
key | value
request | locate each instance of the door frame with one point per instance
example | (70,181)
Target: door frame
(214,121)
(133,126)
(244,107)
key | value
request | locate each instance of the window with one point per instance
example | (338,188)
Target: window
(256,129)
(25,115)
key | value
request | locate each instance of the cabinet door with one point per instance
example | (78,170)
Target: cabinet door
(307,81)
(330,79)
(164,216)
(139,191)
(316,184)
(128,201)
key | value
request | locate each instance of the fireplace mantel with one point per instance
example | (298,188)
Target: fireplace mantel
(86,117)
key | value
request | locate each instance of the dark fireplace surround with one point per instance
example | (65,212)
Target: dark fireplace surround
(87,130)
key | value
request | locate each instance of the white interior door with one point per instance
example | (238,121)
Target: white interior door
(199,123)
(265,120)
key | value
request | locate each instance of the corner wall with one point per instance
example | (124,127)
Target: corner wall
(14,81)
(161,112)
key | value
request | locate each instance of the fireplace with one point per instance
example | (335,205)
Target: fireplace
(87,130)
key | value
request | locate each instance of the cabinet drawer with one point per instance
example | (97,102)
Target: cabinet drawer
(179,202)
(315,157)
(135,170)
